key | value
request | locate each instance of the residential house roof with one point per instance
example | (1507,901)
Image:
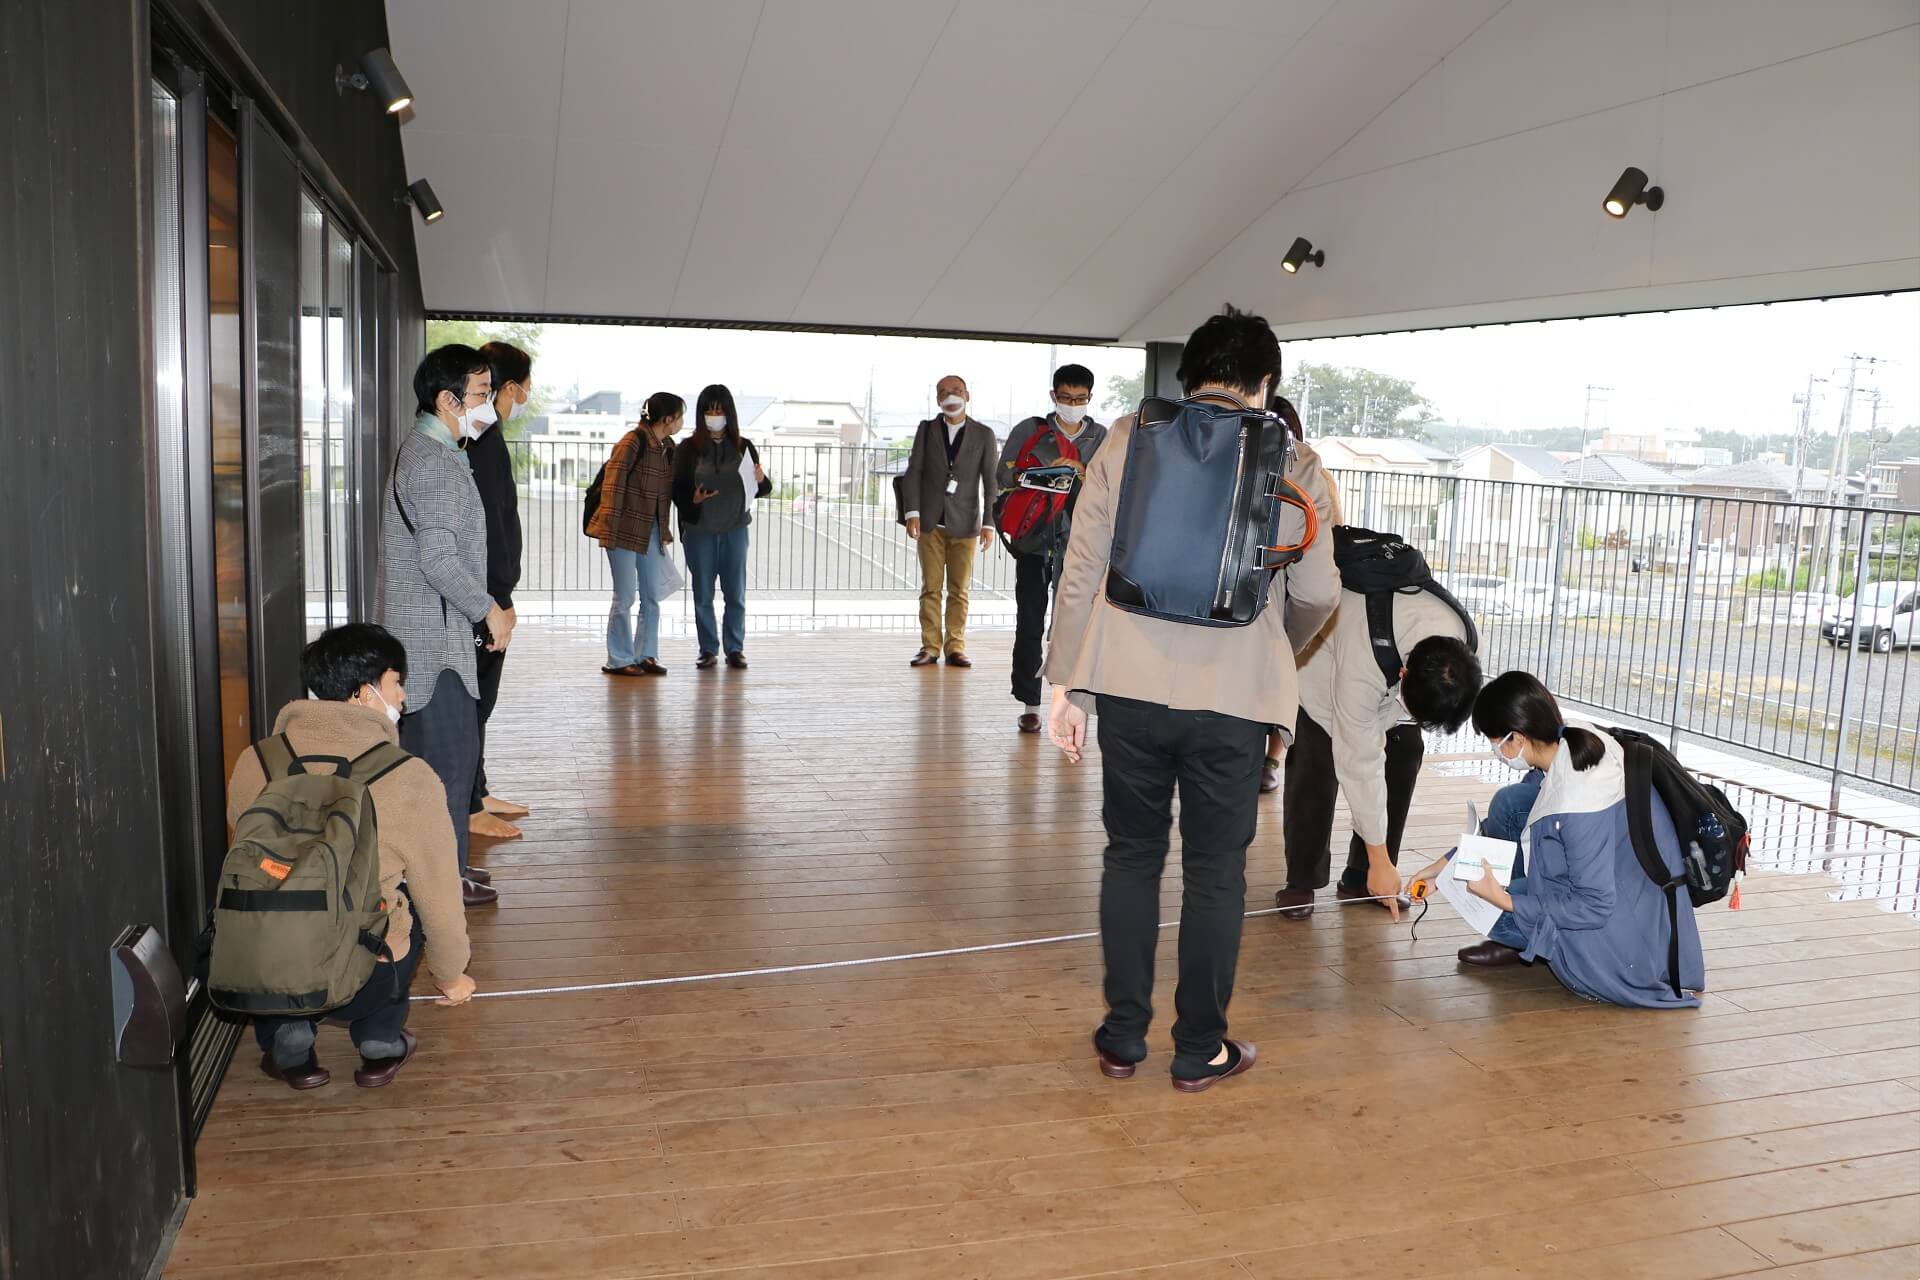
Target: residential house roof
(1777,477)
(1615,469)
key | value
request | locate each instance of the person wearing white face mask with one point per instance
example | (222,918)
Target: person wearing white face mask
(355,677)
(1064,436)
(492,465)
(949,489)
(433,592)
(1578,897)
(710,492)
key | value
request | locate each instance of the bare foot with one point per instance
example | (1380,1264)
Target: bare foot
(493,827)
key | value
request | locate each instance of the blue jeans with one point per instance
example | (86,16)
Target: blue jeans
(721,556)
(635,575)
(1507,820)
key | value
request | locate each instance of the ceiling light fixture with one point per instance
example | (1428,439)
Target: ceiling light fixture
(1630,190)
(1302,251)
(420,196)
(377,73)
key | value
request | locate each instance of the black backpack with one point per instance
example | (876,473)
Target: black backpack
(592,505)
(1197,520)
(1380,566)
(1713,834)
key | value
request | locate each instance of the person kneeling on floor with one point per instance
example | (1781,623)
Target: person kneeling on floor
(1578,897)
(356,676)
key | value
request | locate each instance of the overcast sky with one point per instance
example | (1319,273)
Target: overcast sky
(1735,368)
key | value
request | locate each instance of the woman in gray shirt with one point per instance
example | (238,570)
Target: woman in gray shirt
(710,490)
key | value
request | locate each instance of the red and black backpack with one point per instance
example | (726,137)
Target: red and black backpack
(1029,520)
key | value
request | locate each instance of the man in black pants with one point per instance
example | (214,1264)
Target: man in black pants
(492,464)
(1186,708)
(1044,442)
(1357,731)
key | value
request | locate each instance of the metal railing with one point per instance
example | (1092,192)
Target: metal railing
(1707,616)
(1743,622)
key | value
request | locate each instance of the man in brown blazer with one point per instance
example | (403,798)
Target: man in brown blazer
(1184,706)
(950,486)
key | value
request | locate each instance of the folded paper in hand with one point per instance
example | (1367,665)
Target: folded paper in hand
(1476,852)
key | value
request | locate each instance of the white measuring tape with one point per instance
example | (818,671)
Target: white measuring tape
(816,966)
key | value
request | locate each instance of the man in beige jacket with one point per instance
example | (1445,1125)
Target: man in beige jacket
(356,674)
(1187,707)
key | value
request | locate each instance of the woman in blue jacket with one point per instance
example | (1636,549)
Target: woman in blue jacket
(1578,897)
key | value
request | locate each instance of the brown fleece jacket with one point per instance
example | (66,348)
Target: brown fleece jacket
(416,836)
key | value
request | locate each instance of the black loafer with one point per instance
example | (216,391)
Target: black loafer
(706,662)
(1233,1066)
(308,1075)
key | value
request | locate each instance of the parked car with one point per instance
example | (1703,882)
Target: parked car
(1494,597)
(1889,615)
(1481,594)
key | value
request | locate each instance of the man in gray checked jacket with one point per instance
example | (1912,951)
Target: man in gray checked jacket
(433,581)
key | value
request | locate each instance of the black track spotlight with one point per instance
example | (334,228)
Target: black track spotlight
(420,196)
(377,73)
(1302,251)
(1630,190)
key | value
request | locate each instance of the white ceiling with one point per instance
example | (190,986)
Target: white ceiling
(1118,168)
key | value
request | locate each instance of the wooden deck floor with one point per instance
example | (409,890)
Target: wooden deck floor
(943,1117)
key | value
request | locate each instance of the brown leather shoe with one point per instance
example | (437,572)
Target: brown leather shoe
(631,669)
(379,1073)
(493,827)
(1269,777)
(1029,723)
(960,660)
(648,667)
(1294,904)
(1345,894)
(1112,1067)
(706,662)
(1490,955)
(1240,1066)
(309,1075)
(736,662)
(473,894)
(924,658)
(479,875)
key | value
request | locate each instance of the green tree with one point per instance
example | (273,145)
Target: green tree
(477,333)
(1125,391)
(1357,402)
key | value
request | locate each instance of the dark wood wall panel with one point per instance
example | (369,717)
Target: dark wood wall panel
(91,1149)
(270,230)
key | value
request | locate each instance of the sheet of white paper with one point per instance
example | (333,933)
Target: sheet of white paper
(1475,910)
(747,480)
(1469,863)
(1476,851)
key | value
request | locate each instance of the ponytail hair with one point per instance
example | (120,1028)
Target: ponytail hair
(660,406)
(1516,702)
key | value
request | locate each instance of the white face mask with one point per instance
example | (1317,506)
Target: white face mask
(716,422)
(475,421)
(1069,414)
(953,407)
(513,406)
(393,712)
(1516,763)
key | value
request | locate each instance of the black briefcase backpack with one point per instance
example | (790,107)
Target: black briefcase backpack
(1196,526)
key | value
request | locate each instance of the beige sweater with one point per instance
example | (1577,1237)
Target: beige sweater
(416,836)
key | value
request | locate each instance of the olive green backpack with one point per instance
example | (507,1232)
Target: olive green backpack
(298,919)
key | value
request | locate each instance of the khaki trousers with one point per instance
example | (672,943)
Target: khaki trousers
(945,561)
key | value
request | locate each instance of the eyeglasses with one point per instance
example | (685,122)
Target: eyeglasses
(1072,401)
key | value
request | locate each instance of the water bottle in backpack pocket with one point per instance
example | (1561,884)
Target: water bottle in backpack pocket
(1196,525)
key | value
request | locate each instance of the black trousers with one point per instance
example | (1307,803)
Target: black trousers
(378,1012)
(487,669)
(1306,803)
(1147,751)
(1032,591)
(446,734)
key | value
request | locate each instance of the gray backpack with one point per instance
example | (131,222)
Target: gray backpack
(298,919)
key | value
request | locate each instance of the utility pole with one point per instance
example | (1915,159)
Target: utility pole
(1586,416)
(1306,395)
(1800,440)
(1836,479)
